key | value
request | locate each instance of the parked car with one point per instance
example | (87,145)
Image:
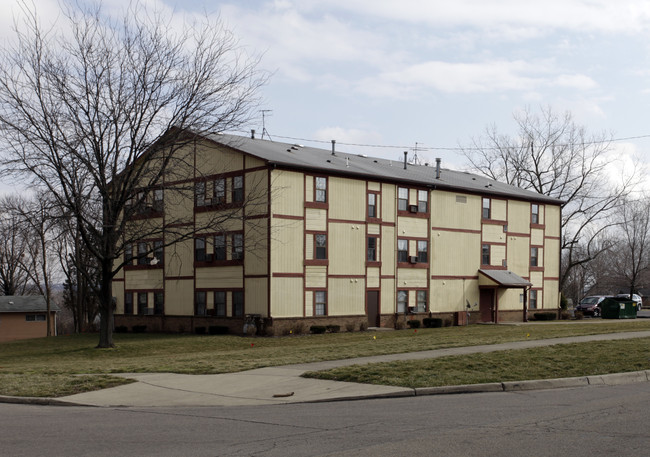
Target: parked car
(635,298)
(590,306)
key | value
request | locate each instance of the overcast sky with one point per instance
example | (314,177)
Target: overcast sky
(388,72)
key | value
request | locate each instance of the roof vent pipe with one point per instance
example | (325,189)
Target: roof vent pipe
(405,154)
(252,134)
(333,147)
(437,167)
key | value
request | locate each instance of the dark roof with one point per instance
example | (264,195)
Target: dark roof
(505,278)
(24,304)
(302,157)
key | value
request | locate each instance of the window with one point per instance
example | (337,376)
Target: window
(220,191)
(238,189)
(372,205)
(402,300)
(485,254)
(534,214)
(220,304)
(321,246)
(402,198)
(486,208)
(219,247)
(199,249)
(199,193)
(158,252)
(321,189)
(237,246)
(238,304)
(142,303)
(534,253)
(423,201)
(320,304)
(35,317)
(128,303)
(402,250)
(128,254)
(421,301)
(199,303)
(158,200)
(159,303)
(533,299)
(372,249)
(142,253)
(423,251)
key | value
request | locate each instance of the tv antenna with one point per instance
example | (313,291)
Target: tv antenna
(264,131)
(416,159)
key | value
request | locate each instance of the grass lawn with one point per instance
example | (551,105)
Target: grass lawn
(560,361)
(51,366)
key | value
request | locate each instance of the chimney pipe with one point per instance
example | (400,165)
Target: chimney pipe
(333,147)
(405,154)
(438,167)
(252,134)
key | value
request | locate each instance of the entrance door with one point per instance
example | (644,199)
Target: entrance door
(372,304)
(486,305)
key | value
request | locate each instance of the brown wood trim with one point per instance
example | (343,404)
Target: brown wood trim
(178,278)
(218,263)
(317,205)
(255,276)
(370,263)
(537,226)
(421,265)
(346,277)
(441,277)
(118,280)
(346,221)
(386,276)
(556,238)
(418,215)
(180,225)
(493,222)
(387,224)
(316,262)
(218,207)
(287,216)
(256,216)
(536,268)
(288,275)
(523,235)
(551,278)
(158,266)
(456,230)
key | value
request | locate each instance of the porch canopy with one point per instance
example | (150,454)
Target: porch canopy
(501,278)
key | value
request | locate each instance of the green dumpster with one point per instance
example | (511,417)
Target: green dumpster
(618,308)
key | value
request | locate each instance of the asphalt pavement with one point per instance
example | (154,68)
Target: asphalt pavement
(284,384)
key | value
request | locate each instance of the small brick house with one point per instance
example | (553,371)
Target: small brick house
(23,317)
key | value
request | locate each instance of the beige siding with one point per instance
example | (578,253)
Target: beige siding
(412,227)
(537,237)
(316,276)
(346,297)
(452,295)
(387,252)
(374,186)
(350,191)
(287,193)
(256,301)
(551,296)
(179,258)
(508,300)
(374,229)
(218,221)
(316,219)
(179,203)
(387,296)
(447,212)
(494,234)
(287,254)
(179,297)
(309,246)
(372,275)
(256,191)
(229,277)
(518,216)
(309,303)
(388,203)
(497,254)
(309,188)
(552,259)
(347,249)
(287,297)
(14,326)
(144,279)
(499,210)
(455,253)
(213,159)
(552,220)
(256,247)
(518,255)
(541,213)
(408,278)
(117,289)
(537,278)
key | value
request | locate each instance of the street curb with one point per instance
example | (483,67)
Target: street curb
(42,401)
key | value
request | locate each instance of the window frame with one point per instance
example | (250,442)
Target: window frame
(402,203)
(219,191)
(534,256)
(423,255)
(204,304)
(320,303)
(423,205)
(533,299)
(197,250)
(159,251)
(372,212)
(237,246)
(220,307)
(534,214)
(238,306)
(143,250)
(143,304)
(159,303)
(199,193)
(372,249)
(418,301)
(320,250)
(485,246)
(405,302)
(402,254)
(128,304)
(320,193)
(220,248)
(238,192)
(487,208)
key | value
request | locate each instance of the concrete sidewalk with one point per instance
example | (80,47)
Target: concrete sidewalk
(278,385)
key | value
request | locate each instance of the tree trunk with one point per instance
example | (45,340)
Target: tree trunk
(106,307)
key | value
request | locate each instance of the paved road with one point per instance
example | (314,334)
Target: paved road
(579,422)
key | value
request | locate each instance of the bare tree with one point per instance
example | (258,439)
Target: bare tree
(98,115)
(13,246)
(631,258)
(553,156)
